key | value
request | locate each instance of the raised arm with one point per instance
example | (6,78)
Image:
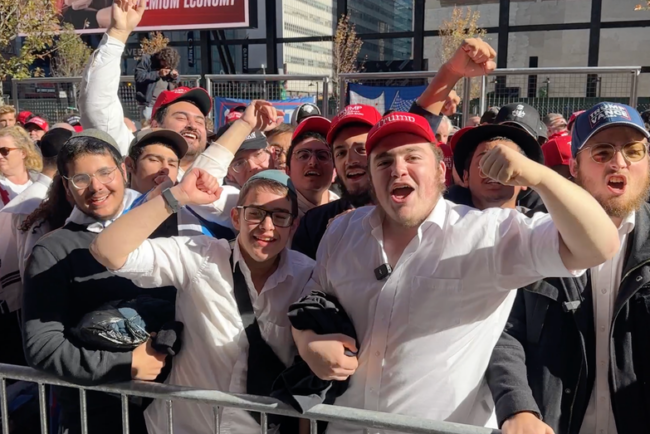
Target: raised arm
(113,246)
(99,104)
(474,58)
(587,236)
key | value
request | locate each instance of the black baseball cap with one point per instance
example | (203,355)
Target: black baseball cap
(255,140)
(523,116)
(160,135)
(52,141)
(470,140)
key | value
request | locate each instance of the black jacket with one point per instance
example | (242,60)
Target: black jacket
(62,283)
(146,77)
(544,361)
(313,225)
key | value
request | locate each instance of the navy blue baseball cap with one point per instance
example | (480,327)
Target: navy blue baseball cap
(604,115)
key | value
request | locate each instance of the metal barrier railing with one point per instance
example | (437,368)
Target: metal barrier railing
(362,418)
(55,97)
(271,87)
(559,90)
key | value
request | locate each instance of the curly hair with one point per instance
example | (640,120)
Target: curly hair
(6,109)
(33,159)
(169,57)
(54,210)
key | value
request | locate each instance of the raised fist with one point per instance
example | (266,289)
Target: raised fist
(510,167)
(473,58)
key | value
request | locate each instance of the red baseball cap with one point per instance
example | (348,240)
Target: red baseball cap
(78,128)
(23,116)
(233,116)
(39,122)
(196,95)
(557,151)
(354,113)
(456,137)
(399,122)
(573,117)
(312,124)
(449,161)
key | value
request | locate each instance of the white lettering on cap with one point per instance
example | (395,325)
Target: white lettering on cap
(519,111)
(395,118)
(607,111)
(351,110)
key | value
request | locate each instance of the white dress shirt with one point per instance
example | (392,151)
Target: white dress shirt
(605,283)
(215,347)
(427,332)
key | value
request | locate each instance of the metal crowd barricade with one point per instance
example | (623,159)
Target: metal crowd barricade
(558,90)
(362,418)
(57,97)
(270,87)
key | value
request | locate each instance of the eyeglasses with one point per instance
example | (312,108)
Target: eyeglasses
(321,155)
(83,180)
(5,151)
(259,157)
(254,214)
(604,152)
(359,150)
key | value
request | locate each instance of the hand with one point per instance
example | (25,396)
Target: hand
(451,104)
(174,73)
(163,182)
(473,58)
(198,187)
(164,72)
(525,423)
(510,167)
(125,17)
(146,363)
(78,4)
(262,116)
(325,354)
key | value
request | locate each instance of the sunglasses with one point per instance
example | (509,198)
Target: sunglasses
(604,152)
(5,151)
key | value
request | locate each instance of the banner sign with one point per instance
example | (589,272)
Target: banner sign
(222,107)
(94,16)
(384,98)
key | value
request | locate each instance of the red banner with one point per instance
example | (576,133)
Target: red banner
(93,16)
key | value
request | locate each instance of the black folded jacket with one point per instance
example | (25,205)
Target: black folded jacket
(297,385)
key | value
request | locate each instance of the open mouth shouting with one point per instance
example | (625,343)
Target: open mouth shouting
(616,184)
(355,173)
(399,192)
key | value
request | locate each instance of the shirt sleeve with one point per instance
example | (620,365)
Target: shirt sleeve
(527,250)
(215,160)
(161,262)
(433,119)
(99,104)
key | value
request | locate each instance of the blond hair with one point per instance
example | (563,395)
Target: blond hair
(6,109)
(22,141)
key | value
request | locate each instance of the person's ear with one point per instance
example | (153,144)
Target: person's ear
(234,217)
(130,165)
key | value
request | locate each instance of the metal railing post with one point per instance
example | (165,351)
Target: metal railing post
(467,95)
(4,407)
(14,94)
(42,407)
(482,105)
(326,96)
(342,90)
(634,95)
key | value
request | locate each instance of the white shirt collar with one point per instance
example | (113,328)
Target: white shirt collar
(437,216)
(283,271)
(96,226)
(628,224)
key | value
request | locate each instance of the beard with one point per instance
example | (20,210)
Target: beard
(622,206)
(357,199)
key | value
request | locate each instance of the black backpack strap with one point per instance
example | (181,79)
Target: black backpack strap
(264,366)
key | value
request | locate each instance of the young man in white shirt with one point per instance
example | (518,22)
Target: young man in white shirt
(427,283)
(205,271)
(574,354)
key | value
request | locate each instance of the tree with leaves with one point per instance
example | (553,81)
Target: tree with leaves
(71,54)
(37,21)
(345,53)
(154,43)
(461,25)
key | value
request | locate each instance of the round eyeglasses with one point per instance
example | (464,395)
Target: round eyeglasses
(258,157)
(604,152)
(83,180)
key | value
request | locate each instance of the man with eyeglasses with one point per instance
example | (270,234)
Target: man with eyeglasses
(63,282)
(213,277)
(310,165)
(575,354)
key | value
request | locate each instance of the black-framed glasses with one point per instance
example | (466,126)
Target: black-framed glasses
(604,152)
(83,180)
(255,214)
(5,151)
(258,157)
(321,155)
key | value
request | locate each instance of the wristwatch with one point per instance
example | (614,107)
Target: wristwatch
(171,201)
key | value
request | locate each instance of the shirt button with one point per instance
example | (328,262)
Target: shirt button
(604,291)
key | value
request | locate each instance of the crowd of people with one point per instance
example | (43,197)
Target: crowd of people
(495,275)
